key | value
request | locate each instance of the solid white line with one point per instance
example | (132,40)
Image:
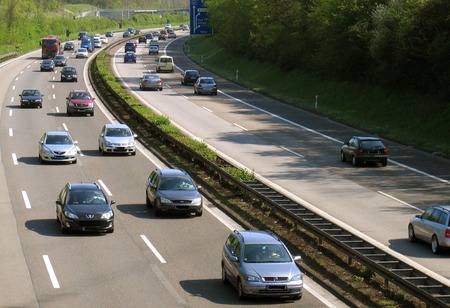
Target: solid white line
(105,188)
(51,272)
(153,249)
(10,132)
(13,87)
(207,109)
(241,127)
(292,152)
(26,200)
(54,96)
(12,99)
(57,109)
(14,158)
(398,200)
(79,151)
(65,127)
(10,113)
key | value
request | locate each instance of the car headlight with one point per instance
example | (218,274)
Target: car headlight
(108,143)
(297,278)
(197,201)
(72,151)
(24,100)
(70,215)
(165,200)
(108,215)
(46,151)
(131,143)
(91,104)
(251,278)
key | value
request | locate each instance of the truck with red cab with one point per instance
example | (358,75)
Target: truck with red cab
(51,46)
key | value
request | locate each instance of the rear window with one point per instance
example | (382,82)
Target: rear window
(166,60)
(369,144)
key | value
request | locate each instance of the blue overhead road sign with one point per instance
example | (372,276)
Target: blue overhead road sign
(199,18)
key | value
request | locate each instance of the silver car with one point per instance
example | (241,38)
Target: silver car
(151,82)
(258,264)
(205,85)
(116,138)
(57,146)
(432,227)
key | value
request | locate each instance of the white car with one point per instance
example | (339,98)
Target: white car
(103,39)
(172,35)
(97,36)
(82,53)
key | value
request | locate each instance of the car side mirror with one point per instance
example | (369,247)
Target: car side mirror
(58,202)
(135,135)
(75,142)
(297,258)
(233,258)
(112,202)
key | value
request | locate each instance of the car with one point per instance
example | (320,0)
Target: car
(126,34)
(69,46)
(96,36)
(171,35)
(97,43)
(189,77)
(137,31)
(84,207)
(48,65)
(360,149)
(69,73)
(150,81)
(31,98)
(149,36)
(109,34)
(116,138)
(163,32)
(60,60)
(164,63)
(129,57)
(80,101)
(185,28)
(156,33)
(130,46)
(162,37)
(103,39)
(153,49)
(154,42)
(432,227)
(57,146)
(173,191)
(258,264)
(168,26)
(82,53)
(131,30)
(205,85)
(142,39)
(82,34)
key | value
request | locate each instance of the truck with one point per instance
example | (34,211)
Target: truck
(88,43)
(51,46)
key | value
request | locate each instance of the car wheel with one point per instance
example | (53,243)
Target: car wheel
(297,297)
(354,161)
(62,228)
(40,106)
(384,162)
(160,89)
(224,275)
(435,248)
(411,235)
(343,158)
(92,113)
(74,162)
(110,230)
(199,213)
(133,153)
(156,209)
(215,93)
(41,160)
(240,289)
(147,201)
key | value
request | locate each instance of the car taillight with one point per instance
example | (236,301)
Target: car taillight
(386,151)
(359,151)
(447,233)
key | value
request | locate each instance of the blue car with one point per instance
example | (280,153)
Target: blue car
(129,57)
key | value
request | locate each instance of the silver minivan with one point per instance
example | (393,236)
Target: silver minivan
(432,227)
(164,64)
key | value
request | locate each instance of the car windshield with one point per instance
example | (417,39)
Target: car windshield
(118,132)
(80,96)
(370,144)
(176,183)
(264,253)
(59,58)
(86,197)
(30,93)
(68,69)
(58,139)
(207,81)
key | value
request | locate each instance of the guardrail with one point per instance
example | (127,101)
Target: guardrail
(9,55)
(384,263)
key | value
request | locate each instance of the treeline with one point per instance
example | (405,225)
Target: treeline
(403,44)
(133,4)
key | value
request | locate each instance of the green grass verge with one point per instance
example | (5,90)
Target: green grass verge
(409,118)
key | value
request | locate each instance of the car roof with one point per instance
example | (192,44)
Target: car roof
(116,125)
(444,207)
(172,172)
(206,78)
(258,237)
(85,186)
(366,138)
(57,132)
(30,89)
(79,91)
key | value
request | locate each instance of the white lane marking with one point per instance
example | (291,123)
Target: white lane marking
(10,132)
(420,172)
(292,152)
(17,78)
(26,200)
(54,96)
(51,272)
(79,151)
(241,127)
(57,109)
(207,109)
(21,73)
(104,187)
(14,158)
(398,200)
(10,113)
(13,87)
(12,99)
(153,249)
(65,127)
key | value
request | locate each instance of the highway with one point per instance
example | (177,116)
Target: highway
(172,261)
(299,153)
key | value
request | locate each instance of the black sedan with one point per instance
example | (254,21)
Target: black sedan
(47,65)
(69,73)
(84,207)
(361,150)
(189,77)
(129,57)
(69,46)
(60,60)
(31,97)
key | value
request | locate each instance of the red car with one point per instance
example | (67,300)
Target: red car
(80,101)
